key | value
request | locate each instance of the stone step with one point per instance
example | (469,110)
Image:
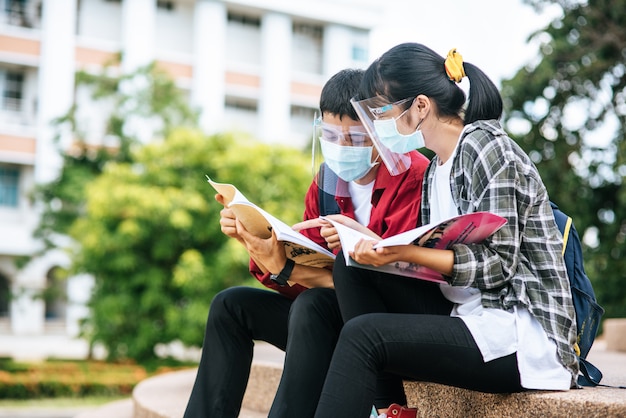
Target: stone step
(165,396)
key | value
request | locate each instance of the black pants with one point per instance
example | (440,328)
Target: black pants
(409,335)
(306,328)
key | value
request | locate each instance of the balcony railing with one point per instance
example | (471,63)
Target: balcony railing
(26,14)
(13,112)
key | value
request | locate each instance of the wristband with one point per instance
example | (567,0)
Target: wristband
(282,277)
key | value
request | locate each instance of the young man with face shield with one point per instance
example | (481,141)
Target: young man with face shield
(300,315)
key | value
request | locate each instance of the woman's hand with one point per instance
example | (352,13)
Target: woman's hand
(364,253)
(329,232)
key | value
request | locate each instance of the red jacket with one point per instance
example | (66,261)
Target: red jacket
(395,208)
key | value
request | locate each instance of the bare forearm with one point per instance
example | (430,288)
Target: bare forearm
(438,260)
(311,276)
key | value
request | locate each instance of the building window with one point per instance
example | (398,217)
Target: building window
(165,5)
(12,92)
(15,12)
(5,296)
(24,13)
(308,31)
(359,53)
(243,39)
(9,186)
(244,20)
(241,105)
(55,295)
(307,48)
(302,112)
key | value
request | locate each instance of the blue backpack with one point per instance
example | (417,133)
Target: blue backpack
(588,312)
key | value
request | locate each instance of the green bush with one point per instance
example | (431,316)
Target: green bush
(71,379)
(8,365)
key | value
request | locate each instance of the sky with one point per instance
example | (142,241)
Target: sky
(491,34)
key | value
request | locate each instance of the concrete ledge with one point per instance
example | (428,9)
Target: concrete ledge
(165,396)
(434,400)
(262,386)
(614,332)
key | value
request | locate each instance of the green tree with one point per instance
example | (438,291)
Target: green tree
(147,94)
(150,235)
(568,110)
(147,229)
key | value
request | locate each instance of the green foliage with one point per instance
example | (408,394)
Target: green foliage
(142,218)
(71,379)
(147,95)
(150,234)
(572,102)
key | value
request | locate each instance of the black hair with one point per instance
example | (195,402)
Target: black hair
(410,69)
(337,92)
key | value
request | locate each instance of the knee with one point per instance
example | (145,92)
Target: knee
(223,303)
(358,332)
(357,326)
(316,305)
(312,299)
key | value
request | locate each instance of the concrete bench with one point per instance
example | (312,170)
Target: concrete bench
(434,400)
(165,396)
(615,334)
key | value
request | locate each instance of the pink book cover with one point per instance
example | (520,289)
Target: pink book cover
(466,229)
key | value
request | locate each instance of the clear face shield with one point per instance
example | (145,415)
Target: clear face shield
(340,152)
(379,118)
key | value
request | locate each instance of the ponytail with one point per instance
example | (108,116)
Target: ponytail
(485,101)
(410,69)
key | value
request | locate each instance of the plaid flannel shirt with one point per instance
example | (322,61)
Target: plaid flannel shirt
(522,263)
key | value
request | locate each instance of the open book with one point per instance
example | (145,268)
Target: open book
(260,223)
(470,228)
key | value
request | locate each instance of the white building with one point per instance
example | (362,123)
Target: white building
(249,65)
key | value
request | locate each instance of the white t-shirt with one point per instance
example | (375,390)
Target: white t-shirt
(361,196)
(499,333)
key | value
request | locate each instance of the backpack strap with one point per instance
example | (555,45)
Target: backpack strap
(565,232)
(566,229)
(591,375)
(327,180)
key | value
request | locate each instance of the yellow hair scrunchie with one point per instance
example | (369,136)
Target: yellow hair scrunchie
(454,66)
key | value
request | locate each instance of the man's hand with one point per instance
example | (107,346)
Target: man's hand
(228,220)
(268,253)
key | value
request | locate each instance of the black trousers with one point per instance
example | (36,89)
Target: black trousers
(401,328)
(306,328)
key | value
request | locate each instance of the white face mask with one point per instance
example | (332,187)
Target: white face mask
(349,163)
(392,139)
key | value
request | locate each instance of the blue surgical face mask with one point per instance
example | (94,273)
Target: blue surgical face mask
(349,163)
(387,131)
